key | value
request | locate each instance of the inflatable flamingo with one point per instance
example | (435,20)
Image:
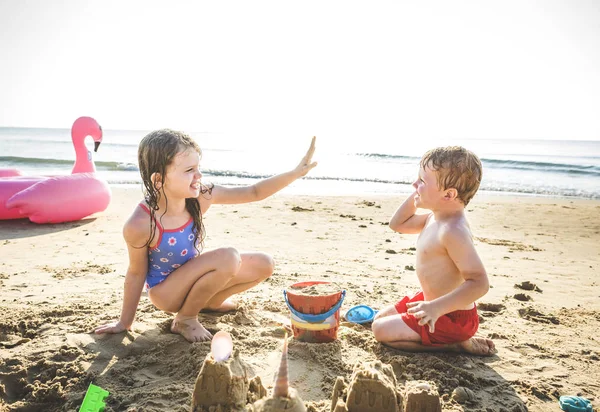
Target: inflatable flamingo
(55,199)
(10,172)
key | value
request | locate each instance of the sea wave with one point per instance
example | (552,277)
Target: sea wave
(386,156)
(526,180)
(567,168)
(34,161)
(543,166)
(246,175)
(33,142)
(493,189)
(540,191)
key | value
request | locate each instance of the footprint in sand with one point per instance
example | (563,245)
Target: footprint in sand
(77,270)
(522,297)
(10,341)
(491,307)
(301,209)
(527,285)
(512,246)
(535,316)
(14,385)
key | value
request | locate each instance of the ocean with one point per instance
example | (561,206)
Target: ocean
(382,167)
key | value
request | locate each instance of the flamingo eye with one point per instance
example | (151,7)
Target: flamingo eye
(100,127)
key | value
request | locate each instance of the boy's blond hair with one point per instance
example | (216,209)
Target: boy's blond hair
(456,168)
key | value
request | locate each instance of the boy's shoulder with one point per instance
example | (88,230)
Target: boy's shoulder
(455,229)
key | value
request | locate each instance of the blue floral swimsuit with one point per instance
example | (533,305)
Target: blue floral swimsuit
(174,248)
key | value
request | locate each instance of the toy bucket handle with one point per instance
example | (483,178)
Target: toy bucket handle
(315,318)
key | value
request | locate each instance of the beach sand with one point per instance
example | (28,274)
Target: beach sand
(57,282)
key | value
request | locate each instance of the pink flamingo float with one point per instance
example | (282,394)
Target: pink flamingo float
(55,199)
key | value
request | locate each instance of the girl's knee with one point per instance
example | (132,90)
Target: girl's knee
(267,265)
(261,264)
(230,260)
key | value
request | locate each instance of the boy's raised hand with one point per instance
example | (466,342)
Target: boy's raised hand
(305,164)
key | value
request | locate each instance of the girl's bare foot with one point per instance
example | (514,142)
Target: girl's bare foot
(190,329)
(228,305)
(478,346)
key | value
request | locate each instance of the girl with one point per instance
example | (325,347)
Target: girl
(165,234)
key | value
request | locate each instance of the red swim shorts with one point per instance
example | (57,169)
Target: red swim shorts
(452,327)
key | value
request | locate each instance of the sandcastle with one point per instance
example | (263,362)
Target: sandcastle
(223,385)
(373,388)
(421,396)
(284,398)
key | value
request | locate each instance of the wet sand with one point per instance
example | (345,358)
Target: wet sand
(543,311)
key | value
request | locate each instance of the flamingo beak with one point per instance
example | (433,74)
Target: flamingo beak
(96,145)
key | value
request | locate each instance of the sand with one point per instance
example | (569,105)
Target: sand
(57,282)
(318,289)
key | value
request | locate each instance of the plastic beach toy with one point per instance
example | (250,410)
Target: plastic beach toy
(575,404)
(60,198)
(314,318)
(360,314)
(94,399)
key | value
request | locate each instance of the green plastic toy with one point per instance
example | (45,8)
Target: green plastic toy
(94,399)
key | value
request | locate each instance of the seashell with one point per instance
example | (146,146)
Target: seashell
(282,383)
(424,386)
(221,346)
(462,394)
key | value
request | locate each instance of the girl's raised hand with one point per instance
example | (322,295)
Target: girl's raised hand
(305,164)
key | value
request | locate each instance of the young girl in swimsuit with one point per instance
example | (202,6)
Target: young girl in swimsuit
(165,234)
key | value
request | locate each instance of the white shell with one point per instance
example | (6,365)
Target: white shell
(221,346)
(424,386)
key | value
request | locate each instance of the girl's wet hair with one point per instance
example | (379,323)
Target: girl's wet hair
(155,153)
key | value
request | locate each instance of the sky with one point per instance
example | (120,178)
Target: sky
(340,70)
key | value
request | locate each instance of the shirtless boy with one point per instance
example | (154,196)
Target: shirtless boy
(443,316)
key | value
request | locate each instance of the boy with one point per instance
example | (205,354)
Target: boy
(443,316)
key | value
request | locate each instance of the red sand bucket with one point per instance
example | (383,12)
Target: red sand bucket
(314,318)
